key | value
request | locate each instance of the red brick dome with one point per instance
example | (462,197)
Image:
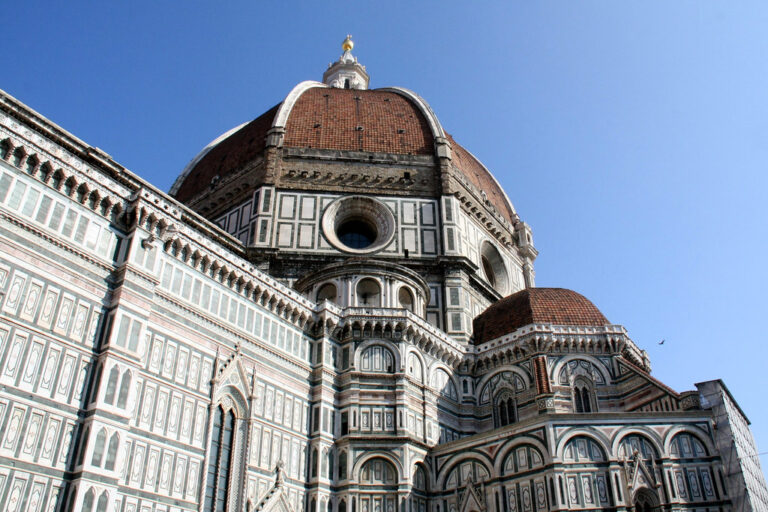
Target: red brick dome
(313,116)
(557,306)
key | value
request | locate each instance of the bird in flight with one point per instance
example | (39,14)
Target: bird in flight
(662,342)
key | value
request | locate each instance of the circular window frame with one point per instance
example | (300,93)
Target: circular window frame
(359,208)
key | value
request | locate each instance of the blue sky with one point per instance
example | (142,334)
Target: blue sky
(630,135)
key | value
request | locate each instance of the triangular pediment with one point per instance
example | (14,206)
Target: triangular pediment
(642,475)
(274,501)
(231,372)
(472,500)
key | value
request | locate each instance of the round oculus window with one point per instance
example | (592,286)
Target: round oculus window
(356,233)
(358,224)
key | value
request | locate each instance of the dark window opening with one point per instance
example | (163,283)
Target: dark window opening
(506,412)
(582,399)
(344,423)
(488,270)
(356,234)
(220,464)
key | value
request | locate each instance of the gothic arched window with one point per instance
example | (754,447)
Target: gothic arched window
(313,463)
(419,498)
(114,443)
(101,505)
(98,449)
(220,461)
(90,496)
(505,409)
(125,383)
(377,359)
(380,479)
(583,397)
(109,395)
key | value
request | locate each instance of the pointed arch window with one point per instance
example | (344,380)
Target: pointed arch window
(583,397)
(114,443)
(220,461)
(313,463)
(343,465)
(90,496)
(109,395)
(506,409)
(125,383)
(98,449)
(101,505)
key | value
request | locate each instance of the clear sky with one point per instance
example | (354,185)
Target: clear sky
(632,136)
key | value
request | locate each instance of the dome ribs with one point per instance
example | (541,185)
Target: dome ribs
(230,155)
(482,180)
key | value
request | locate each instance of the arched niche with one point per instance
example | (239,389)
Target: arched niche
(493,268)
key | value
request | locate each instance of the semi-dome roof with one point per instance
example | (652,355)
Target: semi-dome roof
(320,116)
(557,306)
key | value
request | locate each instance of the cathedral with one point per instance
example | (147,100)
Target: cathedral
(333,310)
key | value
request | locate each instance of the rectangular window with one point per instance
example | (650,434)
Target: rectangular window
(30,203)
(232,311)
(122,332)
(345,358)
(257,325)
(69,223)
(267,199)
(104,242)
(167,273)
(456,321)
(454,296)
(215,301)
(186,286)
(315,419)
(133,340)
(224,305)
(5,184)
(176,286)
(17,194)
(92,235)
(45,207)
(82,225)
(344,423)
(196,291)
(58,214)
(206,297)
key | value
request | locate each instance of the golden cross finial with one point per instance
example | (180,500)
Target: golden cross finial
(347,45)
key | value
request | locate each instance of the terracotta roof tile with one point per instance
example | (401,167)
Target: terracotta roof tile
(358,120)
(557,306)
(229,155)
(480,178)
